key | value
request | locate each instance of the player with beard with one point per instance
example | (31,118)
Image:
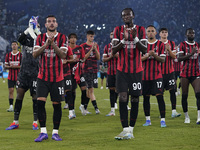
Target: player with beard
(12,62)
(27,77)
(111,71)
(190,74)
(168,69)
(152,77)
(51,48)
(127,42)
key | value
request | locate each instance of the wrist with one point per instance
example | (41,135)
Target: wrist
(136,40)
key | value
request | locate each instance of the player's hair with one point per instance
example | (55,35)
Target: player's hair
(90,32)
(188,29)
(74,34)
(151,26)
(163,29)
(128,9)
(50,16)
(14,42)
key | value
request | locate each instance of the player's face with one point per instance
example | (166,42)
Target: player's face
(90,37)
(111,35)
(127,16)
(163,34)
(190,34)
(73,39)
(151,33)
(14,46)
(51,24)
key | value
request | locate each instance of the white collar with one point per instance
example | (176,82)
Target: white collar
(190,43)
(153,42)
(15,53)
(54,35)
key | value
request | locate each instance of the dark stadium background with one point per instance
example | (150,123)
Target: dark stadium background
(99,15)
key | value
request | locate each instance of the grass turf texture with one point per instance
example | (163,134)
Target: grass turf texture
(93,131)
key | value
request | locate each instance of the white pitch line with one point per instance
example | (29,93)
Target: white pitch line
(170,105)
(165,104)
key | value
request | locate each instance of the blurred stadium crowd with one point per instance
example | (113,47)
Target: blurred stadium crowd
(99,15)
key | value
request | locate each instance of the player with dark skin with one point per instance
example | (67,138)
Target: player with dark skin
(193,80)
(122,45)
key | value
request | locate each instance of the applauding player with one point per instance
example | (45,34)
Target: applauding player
(126,41)
(190,74)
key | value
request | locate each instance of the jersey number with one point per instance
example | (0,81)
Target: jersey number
(137,86)
(61,90)
(159,84)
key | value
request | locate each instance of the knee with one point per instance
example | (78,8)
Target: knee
(123,97)
(135,99)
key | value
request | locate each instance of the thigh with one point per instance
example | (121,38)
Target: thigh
(146,87)
(196,85)
(33,86)
(135,83)
(121,84)
(82,81)
(42,89)
(11,84)
(185,85)
(57,91)
(169,81)
(157,87)
(111,81)
(68,83)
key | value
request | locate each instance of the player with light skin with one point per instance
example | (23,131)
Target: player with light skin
(152,77)
(90,68)
(53,50)
(13,66)
(111,79)
(168,69)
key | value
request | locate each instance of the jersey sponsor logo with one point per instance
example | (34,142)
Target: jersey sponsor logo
(195,56)
(49,53)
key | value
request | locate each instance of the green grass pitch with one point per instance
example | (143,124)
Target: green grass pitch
(97,132)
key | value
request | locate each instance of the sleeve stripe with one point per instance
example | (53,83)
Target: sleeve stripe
(115,39)
(162,55)
(180,52)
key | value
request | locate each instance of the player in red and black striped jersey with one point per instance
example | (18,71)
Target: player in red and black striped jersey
(68,82)
(127,42)
(111,74)
(91,48)
(169,82)
(190,74)
(51,48)
(77,72)
(177,70)
(152,77)
(12,62)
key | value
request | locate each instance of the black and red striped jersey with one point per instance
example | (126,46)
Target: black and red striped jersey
(190,66)
(13,60)
(66,67)
(177,65)
(129,60)
(78,53)
(167,66)
(50,64)
(90,64)
(112,63)
(152,67)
